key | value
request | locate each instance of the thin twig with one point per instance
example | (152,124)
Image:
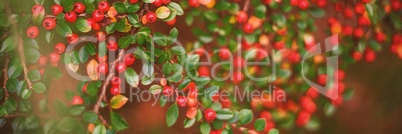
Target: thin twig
(246,5)
(5,76)
(88,15)
(24,66)
(4,35)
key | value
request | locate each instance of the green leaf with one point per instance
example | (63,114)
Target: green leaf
(11,85)
(184,84)
(90,117)
(118,122)
(67,5)
(67,124)
(173,36)
(99,129)
(49,36)
(60,107)
(145,31)
(131,77)
(172,115)
(245,116)
(260,11)
(211,15)
(155,89)
(92,89)
(163,100)
(90,48)
(120,7)
(167,68)
(76,109)
(26,93)
(202,81)
(148,1)
(211,91)
(9,44)
(32,55)
(124,42)
(102,49)
(89,8)
(83,55)
(273,131)
(317,12)
(177,7)
(133,7)
(147,80)
(205,128)
(31,122)
(39,87)
(189,122)
(82,25)
(222,5)
(259,124)
(224,114)
(148,69)
(50,126)
(25,106)
(134,20)
(63,29)
(14,71)
(178,50)
(159,39)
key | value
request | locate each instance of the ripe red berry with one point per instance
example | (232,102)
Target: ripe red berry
(54,58)
(59,48)
(84,88)
(70,17)
(49,23)
(103,68)
(112,45)
(77,100)
(302,118)
(79,7)
(171,22)
(163,82)
(348,13)
(191,102)
(210,114)
(157,3)
(203,71)
(115,90)
(193,93)
(90,22)
(266,1)
(359,8)
(321,3)
(132,1)
(380,37)
(32,32)
(166,1)
(116,80)
(98,15)
(347,30)
(358,32)
(104,58)
(101,36)
(129,59)
(303,4)
(96,26)
(193,3)
(237,77)
(167,91)
(357,56)
(241,17)
(366,1)
(248,28)
(72,39)
(308,104)
(37,9)
(312,93)
(191,113)
(370,55)
(246,45)
(43,60)
(181,101)
(266,115)
(338,6)
(56,9)
(151,17)
(103,6)
(294,2)
(322,79)
(121,67)
(239,62)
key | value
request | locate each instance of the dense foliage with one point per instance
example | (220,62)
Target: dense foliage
(232,34)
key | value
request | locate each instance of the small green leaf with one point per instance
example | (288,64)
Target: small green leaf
(120,7)
(99,129)
(172,115)
(76,109)
(189,122)
(118,122)
(179,50)
(90,117)
(67,124)
(124,42)
(205,128)
(176,6)
(82,25)
(245,116)
(259,124)
(155,89)
(9,44)
(39,87)
(131,77)
(60,107)
(184,84)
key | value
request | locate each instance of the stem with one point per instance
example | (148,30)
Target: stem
(22,55)
(106,82)
(87,15)
(5,76)
(4,36)
(246,5)
(243,128)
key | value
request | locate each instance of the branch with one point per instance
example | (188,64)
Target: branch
(22,55)
(87,15)
(106,82)
(4,36)
(5,76)
(246,5)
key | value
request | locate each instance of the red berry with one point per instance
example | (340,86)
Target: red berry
(98,15)
(294,57)
(245,45)
(103,68)
(338,6)
(171,22)
(322,79)
(210,114)
(129,59)
(347,30)
(268,126)
(395,5)
(348,13)
(167,91)
(77,100)
(357,56)
(84,88)
(241,17)
(308,104)
(49,23)
(157,3)
(54,58)
(191,113)
(79,7)
(37,9)
(116,80)
(59,48)
(104,58)
(266,115)
(266,1)
(191,102)
(294,2)
(203,71)
(311,92)
(166,1)
(193,93)
(370,55)
(101,36)
(237,77)
(358,32)
(151,17)
(238,62)
(56,9)
(303,4)
(380,37)
(90,22)
(42,71)
(366,1)
(43,60)
(302,118)
(112,45)
(115,90)
(359,8)
(193,3)
(121,67)
(96,26)
(72,39)
(321,3)
(224,53)
(32,32)
(181,101)
(248,28)
(103,6)
(70,16)
(132,1)
(163,82)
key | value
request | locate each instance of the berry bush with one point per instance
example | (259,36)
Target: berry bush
(111,42)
